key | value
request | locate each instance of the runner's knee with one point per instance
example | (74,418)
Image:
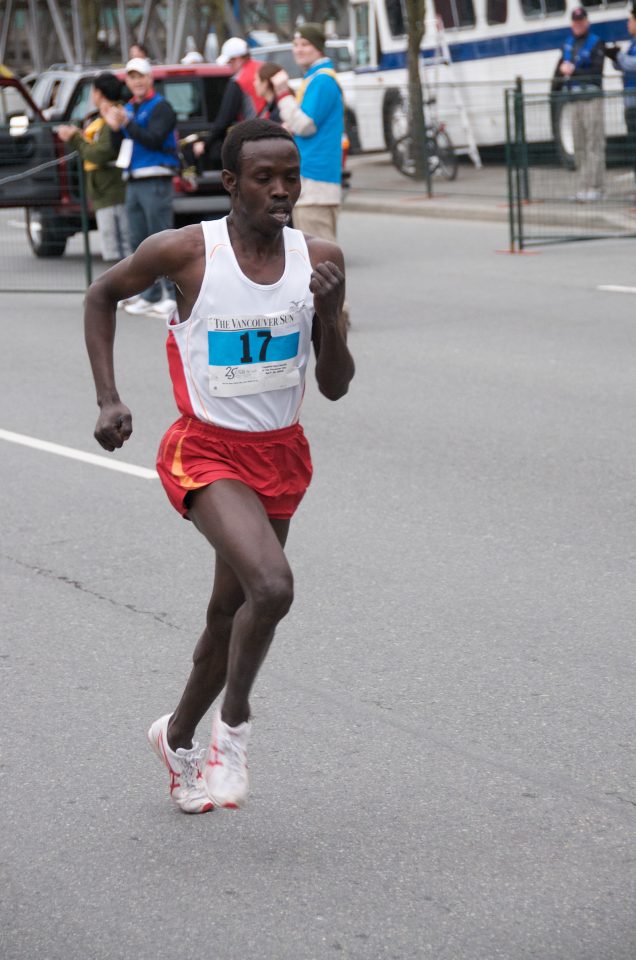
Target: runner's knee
(273,594)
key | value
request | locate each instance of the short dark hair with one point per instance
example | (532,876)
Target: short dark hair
(247,132)
(108,85)
(268,70)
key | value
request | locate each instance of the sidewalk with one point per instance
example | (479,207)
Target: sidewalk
(377,187)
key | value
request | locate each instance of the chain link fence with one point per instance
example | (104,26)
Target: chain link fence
(45,223)
(560,188)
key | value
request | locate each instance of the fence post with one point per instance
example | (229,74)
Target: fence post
(510,159)
(520,132)
(88,262)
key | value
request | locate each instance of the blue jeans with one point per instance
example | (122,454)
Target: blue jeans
(149,209)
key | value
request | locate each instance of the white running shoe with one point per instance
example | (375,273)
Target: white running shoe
(138,306)
(187,788)
(164,308)
(225,771)
(125,303)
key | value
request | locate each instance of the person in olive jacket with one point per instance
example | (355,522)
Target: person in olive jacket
(98,147)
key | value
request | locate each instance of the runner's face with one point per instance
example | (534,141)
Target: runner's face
(268,185)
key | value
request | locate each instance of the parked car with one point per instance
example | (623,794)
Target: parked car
(62,95)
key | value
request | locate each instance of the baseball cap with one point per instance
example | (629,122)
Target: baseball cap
(579,13)
(313,34)
(139,65)
(234,47)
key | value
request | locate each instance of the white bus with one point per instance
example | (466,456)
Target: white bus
(490,42)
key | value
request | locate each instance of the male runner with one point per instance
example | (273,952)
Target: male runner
(252,295)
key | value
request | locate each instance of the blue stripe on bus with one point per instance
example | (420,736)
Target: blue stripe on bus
(229,348)
(507,46)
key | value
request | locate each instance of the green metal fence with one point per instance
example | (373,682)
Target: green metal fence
(45,223)
(549,198)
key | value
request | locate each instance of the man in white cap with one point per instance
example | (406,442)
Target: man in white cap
(240,100)
(149,160)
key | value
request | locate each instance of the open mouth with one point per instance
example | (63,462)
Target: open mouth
(282,214)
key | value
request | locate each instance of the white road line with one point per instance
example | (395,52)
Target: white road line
(614,288)
(78,455)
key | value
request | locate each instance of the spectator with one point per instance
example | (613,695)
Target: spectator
(98,147)
(148,155)
(581,65)
(137,51)
(316,118)
(239,102)
(264,89)
(625,61)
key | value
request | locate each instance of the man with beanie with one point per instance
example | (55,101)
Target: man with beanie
(148,156)
(316,119)
(98,147)
(581,66)
(625,61)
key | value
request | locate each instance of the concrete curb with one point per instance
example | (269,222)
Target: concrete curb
(418,207)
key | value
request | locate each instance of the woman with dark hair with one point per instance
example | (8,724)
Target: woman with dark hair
(264,88)
(98,147)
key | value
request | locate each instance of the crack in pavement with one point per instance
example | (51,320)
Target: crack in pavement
(77,585)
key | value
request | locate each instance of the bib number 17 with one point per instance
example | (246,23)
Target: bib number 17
(263,335)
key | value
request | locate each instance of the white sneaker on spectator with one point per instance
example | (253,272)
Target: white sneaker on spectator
(163,308)
(225,772)
(187,789)
(138,306)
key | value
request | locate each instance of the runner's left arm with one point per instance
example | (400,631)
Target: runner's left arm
(334,364)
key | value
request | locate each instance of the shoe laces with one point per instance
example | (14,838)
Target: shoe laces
(190,760)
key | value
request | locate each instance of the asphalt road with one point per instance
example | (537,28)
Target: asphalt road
(443,750)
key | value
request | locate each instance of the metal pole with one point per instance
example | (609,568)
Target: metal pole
(145,19)
(509,162)
(123,29)
(518,168)
(33,36)
(78,38)
(180,30)
(62,35)
(6,23)
(169,29)
(523,143)
(88,262)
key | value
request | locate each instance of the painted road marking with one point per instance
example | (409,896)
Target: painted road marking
(614,288)
(73,454)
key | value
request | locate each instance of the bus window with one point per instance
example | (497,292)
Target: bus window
(456,13)
(396,18)
(542,8)
(496,11)
(363,41)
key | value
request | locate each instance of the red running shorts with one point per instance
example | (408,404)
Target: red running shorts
(275,464)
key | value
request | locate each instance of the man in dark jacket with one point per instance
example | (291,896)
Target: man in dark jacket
(149,158)
(581,66)
(98,147)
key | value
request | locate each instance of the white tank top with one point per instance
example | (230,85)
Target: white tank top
(239,360)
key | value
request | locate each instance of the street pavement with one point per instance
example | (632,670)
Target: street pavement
(443,750)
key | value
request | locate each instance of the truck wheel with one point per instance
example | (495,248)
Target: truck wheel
(45,233)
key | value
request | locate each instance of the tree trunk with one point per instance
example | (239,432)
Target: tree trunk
(89,10)
(415,12)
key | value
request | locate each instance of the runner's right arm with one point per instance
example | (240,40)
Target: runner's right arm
(162,254)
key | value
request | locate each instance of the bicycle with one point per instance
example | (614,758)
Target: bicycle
(440,153)
(442,160)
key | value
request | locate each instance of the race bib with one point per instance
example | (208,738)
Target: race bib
(253,354)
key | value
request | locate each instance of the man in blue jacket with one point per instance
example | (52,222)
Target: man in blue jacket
(581,66)
(625,61)
(149,159)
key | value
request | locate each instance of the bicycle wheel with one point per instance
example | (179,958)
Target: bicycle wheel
(402,155)
(445,152)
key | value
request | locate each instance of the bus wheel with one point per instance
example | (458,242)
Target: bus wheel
(351,130)
(394,118)
(561,117)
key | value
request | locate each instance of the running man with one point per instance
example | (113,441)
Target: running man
(253,294)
